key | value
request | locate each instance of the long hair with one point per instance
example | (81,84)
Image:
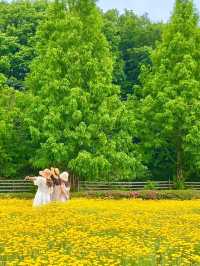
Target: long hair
(56,181)
(49,182)
(67,183)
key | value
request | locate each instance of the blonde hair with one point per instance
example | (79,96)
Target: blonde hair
(57,171)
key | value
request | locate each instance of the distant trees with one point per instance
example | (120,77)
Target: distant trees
(15,145)
(170,104)
(132,38)
(78,120)
(106,95)
(18,24)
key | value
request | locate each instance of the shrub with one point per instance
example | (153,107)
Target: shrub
(145,194)
(135,194)
(19,195)
(149,195)
(151,185)
(178,184)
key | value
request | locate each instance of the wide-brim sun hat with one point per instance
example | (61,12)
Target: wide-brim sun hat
(45,173)
(55,173)
(64,176)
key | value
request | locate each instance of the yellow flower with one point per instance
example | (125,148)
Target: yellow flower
(100,232)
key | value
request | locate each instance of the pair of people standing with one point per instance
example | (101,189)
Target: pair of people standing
(52,186)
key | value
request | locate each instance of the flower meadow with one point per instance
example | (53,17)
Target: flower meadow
(100,232)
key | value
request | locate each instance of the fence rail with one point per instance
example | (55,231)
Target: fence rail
(100,186)
(9,185)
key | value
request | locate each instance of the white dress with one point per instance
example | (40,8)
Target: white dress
(42,195)
(55,196)
(64,196)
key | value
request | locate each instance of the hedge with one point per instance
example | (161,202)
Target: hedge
(144,194)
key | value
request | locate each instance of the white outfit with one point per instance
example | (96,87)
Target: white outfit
(42,195)
(64,196)
(55,196)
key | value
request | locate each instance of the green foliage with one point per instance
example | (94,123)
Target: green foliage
(15,146)
(169,110)
(131,38)
(19,195)
(178,183)
(68,111)
(145,195)
(151,185)
(15,143)
(18,23)
(77,119)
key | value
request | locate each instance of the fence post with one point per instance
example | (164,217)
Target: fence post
(169,181)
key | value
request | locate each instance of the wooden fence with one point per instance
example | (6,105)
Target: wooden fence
(101,186)
(9,186)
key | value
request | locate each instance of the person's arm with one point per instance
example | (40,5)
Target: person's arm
(64,190)
(30,178)
(68,192)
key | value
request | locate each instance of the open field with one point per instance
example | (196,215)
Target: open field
(100,232)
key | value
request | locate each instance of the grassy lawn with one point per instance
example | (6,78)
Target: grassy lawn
(100,232)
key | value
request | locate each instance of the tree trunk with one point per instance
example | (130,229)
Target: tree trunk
(179,164)
(74,182)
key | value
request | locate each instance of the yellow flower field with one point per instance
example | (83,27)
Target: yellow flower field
(100,232)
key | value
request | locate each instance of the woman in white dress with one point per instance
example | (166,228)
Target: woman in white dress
(44,184)
(65,187)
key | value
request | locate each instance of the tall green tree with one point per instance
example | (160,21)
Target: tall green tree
(170,107)
(131,38)
(111,29)
(18,24)
(77,120)
(138,37)
(15,146)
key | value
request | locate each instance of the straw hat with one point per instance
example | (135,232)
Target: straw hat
(55,172)
(45,173)
(64,176)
